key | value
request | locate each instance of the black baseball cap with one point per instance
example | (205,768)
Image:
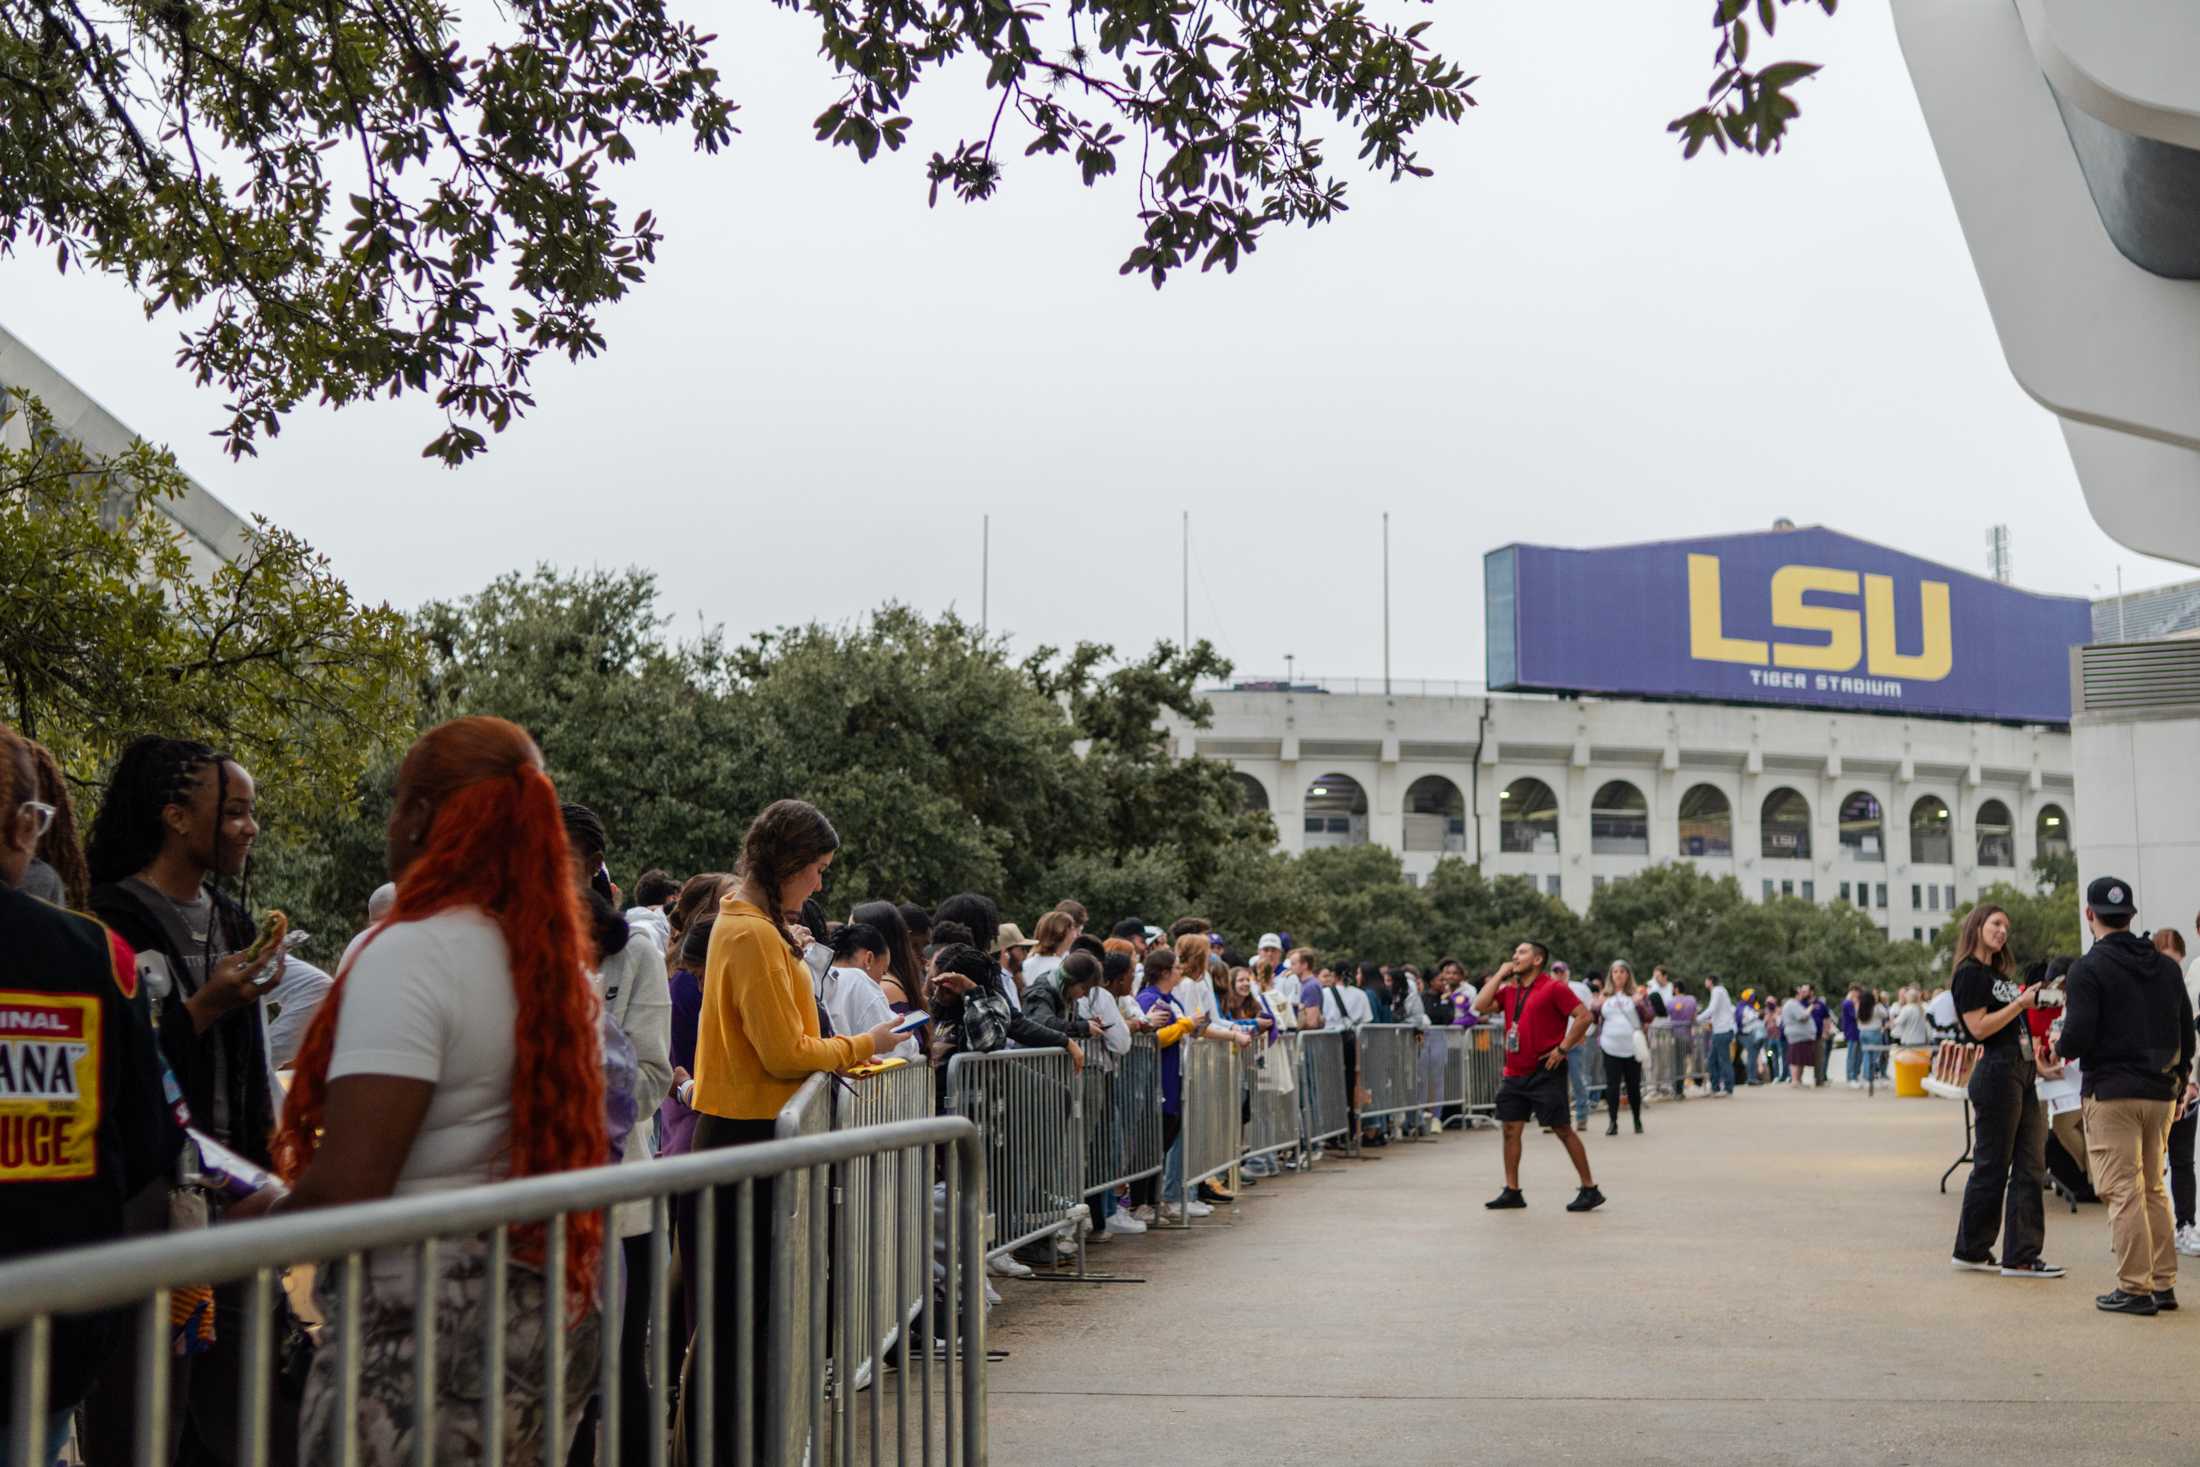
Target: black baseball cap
(2110,896)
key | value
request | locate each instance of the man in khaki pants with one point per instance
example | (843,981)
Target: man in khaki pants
(2129,1024)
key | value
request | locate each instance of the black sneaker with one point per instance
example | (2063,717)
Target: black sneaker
(1638,1125)
(1587,1199)
(2120,1302)
(2033,1270)
(2165,1300)
(1510,1197)
(1976,1265)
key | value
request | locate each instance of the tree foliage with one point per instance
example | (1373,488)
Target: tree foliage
(106,631)
(353,198)
(1748,110)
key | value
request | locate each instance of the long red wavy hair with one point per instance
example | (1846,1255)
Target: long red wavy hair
(496,841)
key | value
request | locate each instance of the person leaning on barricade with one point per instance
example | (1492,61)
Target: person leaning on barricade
(460,1045)
(69,994)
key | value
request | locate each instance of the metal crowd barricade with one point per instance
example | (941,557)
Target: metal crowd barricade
(1028,1105)
(137,1277)
(1456,1093)
(1484,1064)
(1122,1109)
(878,1292)
(1213,1094)
(1276,1075)
(1388,1063)
(1325,1108)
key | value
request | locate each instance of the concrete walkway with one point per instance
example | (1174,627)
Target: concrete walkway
(1769,1284)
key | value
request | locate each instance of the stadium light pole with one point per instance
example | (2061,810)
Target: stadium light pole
(1386,603)
(985,577)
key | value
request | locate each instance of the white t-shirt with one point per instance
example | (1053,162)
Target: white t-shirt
(1941,1009)
(432,1000)
(856,1004)
(1357,1009)
(1039,966)
(1720,1010)
(1621,1023)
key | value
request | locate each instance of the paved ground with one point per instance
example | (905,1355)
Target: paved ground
(1770,1284)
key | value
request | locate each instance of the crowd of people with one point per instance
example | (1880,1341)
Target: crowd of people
(507,1011)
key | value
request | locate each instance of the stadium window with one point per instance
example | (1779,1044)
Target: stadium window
(1596,883)
(1879,895)
(1551,885)
(1932,897)
(1787,888)
(1951,898)
(1844,891)
(1917,896)
(1917,934)
(1810,891)
(1768,888)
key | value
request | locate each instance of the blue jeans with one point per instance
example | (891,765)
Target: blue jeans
(1753,1050)
(1722,1063)
(1869,1064)
(1578,1078)
(1172,1172)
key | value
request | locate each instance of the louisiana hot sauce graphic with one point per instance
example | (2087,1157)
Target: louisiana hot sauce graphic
(49,1086)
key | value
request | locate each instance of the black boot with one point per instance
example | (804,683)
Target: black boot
(1638,1125)
(1613,1128)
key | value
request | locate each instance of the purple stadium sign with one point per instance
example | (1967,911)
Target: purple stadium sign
(1806,618)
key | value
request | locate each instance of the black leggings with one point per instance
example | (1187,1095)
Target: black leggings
(712,1132)
(2181,1138)
(636,1412)
(1618,1071)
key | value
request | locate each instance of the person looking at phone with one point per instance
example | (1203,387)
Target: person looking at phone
(851,990)
(2009,1126)
(1544,1022)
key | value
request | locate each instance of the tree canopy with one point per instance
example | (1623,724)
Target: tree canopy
(107,632)
(348,199)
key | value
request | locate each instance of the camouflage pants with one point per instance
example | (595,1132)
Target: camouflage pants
(387,1411)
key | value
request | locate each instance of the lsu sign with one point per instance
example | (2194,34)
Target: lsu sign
(1806,617)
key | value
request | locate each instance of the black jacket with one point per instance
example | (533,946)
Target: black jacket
(1047,1007)
(2128,1021)
(190,1053)
(76,1036)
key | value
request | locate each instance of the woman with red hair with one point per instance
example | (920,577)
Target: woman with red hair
(459,1046)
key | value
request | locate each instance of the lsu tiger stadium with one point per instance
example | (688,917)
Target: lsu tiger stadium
(1808,712)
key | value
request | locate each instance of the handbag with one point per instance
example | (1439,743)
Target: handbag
(1642,1049)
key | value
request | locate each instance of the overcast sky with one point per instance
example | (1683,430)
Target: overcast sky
(1567,336)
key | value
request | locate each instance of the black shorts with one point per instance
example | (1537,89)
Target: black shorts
(1541,1097)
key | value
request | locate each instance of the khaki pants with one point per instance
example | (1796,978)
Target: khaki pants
(2127,1141)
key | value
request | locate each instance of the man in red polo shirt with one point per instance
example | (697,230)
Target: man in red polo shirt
(1544,1020)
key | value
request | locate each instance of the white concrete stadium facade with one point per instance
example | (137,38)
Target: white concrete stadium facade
(1904,817)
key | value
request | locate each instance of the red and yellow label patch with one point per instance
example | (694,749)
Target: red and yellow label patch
(49,1086)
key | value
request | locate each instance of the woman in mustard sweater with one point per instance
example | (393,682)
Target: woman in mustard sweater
(757,1038)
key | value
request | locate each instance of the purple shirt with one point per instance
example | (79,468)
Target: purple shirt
(1310,995)
(675,1120)
(1682,1011)
(1172,1058)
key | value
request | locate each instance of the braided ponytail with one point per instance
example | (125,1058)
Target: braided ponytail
(788,836)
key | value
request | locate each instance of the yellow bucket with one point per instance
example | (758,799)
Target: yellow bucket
(1911,1066)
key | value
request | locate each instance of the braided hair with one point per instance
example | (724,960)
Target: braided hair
(788,836)
(152,774)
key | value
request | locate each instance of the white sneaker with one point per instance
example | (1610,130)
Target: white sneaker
(1065,1246)
(1007,1266)
(1856,1084)
(1121,1223)
(1169,1212)
(1142,1214)
(1199,1208)
(2188,1240)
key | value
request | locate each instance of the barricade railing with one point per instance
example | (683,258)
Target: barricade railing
(465,1235)
(1324,1107)
(1389,1061)
(1482,1061)
(1028,1105)
(1676,1056)
(1213,1101)
(878,1292)
(1122,1110)
(1432,1071)
(1274,1073)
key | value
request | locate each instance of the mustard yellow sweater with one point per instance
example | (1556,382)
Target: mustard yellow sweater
(757,1038)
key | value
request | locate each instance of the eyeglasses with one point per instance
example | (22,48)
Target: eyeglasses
(41,815)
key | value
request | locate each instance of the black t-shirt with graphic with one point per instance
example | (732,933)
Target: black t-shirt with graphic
(1976,986)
